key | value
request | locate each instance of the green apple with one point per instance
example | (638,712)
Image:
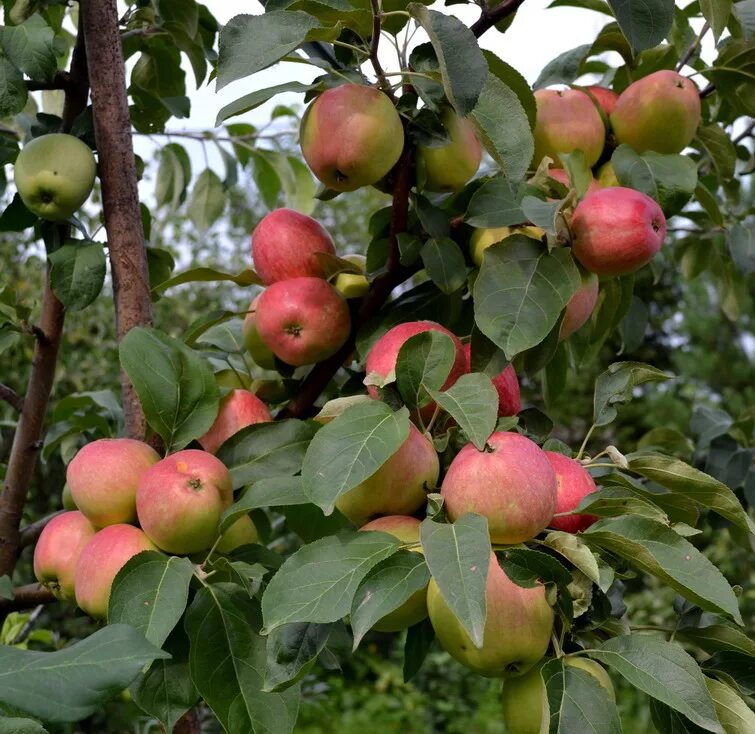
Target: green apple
(481,239)
(353,285)
(54,175)
(607,175)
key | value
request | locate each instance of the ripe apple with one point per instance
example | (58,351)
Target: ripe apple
(414,609)
(448,167)
(100,560)
(399,486)
(605,97)
(242,532)
(481,239)
(103,478)
(258,350)
(303,320)
(510,482)
(560,175)
(607,176)
(54,175)
(285,243)
(567,120)
(180,500)
(617,230)
(58,549)
(517,630)
(580,306)
(574,484)
(351,136)
(506,384)
(353,285)
(238,409)
(659,112)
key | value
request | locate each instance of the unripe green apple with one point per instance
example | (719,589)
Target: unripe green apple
(67,498)
(242,532)
(54,175)
(351,136)
(233,379)
(481,239)
(607,176)
(258,350)
(353,285)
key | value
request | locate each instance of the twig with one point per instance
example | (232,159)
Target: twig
(693,46)
(26,597)
(707,91)
(189,723)
(60,80)
(27,628)
(489,17)
(374,44)
(747,132)
(30,534)
(11,397)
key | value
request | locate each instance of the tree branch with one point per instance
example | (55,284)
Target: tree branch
(30,534)
(385,85)
(707,91)
(189,723)
(60,80)
(120,197)
(746,133)
(693,46)
(490,17)
(26,597)
(11,397)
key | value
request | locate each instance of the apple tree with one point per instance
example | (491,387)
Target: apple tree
(360,439)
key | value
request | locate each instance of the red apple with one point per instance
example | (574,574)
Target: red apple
(103,478)
(303,320)
(617,230)
(284,244)
(100,560)
(560,175)
(580,306)
(180,500)
(510,482)
(58,549)
(238,409)
(506,384)
(574,483)
(605,97)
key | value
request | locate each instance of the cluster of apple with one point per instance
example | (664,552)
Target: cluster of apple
(116,484)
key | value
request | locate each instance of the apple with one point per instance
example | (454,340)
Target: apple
(285,244)
(617,230)
(607,176)
(448,167)
(414,609)
(242,532)
(518,626)
(233,379)
(351,136)
(399,486)
(103,478)
(510,482)
(54,175)
(567,120)
(481,239)
(560,175)
(67,499)
(580,306)
(180,500)
(659,112)
(100,560)
(302,320)
(58,549)
(258,350)
(353,285)
(574,484)
(605,97)
(238,409)
(505,383)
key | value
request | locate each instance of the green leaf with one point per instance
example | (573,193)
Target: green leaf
(458,557)
(516,82)
(175,385)
(521,291)
(419,640)
(255,99)
(292,651)
(13,93)
(717,638)
(424,363)
(271,492)
(445,264)
(227,662)
(78,273)
(734,714)
(741,241)
(707,200)
(207,200)
(664,671)
(461,61)
(575,551)
(318,582)
(351,448)
(526,567)
(30,47)
(150,593)
(472,401)
(645,23)
(494,204)
(541,213)
(173,175)
(614,501)
(72,683)
(564,69)
(744,10)
(735,666)
(20,726)
(719,146)
(717,13)
(210,275)
(656,549)
(6,588)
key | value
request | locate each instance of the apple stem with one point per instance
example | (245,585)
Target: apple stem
(584,443)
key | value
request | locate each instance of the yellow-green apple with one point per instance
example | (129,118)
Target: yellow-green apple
(510,482)
(258,350)
(505,383)
(353,285)
(616,231)
(100,560)
(414,609)
(67,498)
(567,120)
(481,239)
(574,484)
(351,136)
(448,167)
(54,175)
(242,532)
(285,244)
(605,97)
(238,409)
(607,176)
(180,500)
(234,379)
(103,478)
(659,112)
(580,306)
(518,626)
(560,175)
(399,486)
(58,550)
(302,320)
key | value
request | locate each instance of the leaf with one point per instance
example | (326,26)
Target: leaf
(734,714)
(526,567)
(719,146)
(423,363)
(717,638)
(575,551)
(472,401)
(614,501)
(645,23)
(173,175)
(419,640)
(270,492)
(707,200)
(521,291)
(78,273)
(664,671)
(207,200)
(542,214)
(251,101)
(737,666)
(72,683)
(351,448)
(210,275)
(227,661)
(564,69)
(13,93)
(458,557)
(717,13)
(30,47)
(516,82)
(150,593)
(741,241)
(318,582)
(20,726)
(494,204)
(445,264)
(656,549)
(292,651)
(6,588)
(175,385)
